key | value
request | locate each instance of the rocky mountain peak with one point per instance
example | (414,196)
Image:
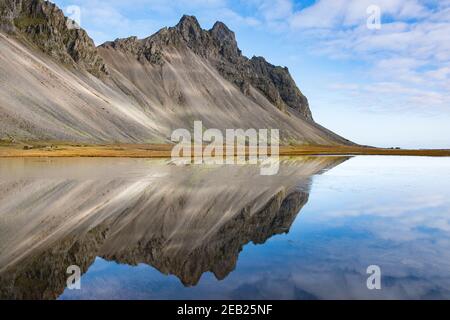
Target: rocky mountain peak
(226,39)
(189,28)
(44,25)
(221,32)
(219,46)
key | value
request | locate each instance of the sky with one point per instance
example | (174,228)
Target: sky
(385,84)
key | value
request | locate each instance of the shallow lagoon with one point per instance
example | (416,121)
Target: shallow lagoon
(145,229)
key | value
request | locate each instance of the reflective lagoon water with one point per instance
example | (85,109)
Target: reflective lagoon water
(146,229)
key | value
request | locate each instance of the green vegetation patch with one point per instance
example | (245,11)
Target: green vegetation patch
(24,22)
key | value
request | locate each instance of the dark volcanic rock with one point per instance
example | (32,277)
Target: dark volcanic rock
(219,46)
(44,24)
(279,86)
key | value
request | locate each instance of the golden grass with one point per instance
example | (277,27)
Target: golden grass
(164,150)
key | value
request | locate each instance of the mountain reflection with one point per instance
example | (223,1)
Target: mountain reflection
(183,221)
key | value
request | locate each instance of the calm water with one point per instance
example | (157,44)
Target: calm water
(143,229)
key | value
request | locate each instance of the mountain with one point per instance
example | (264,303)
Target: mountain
(55,85)
(44,24)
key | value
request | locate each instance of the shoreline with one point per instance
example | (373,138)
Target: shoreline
(164,151)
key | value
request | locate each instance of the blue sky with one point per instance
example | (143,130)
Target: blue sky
(383,87)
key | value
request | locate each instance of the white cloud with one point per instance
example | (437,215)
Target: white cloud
(338,13)
(411,49)
(440,74)
(275,10)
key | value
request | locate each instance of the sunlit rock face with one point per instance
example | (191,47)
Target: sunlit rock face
(183,221)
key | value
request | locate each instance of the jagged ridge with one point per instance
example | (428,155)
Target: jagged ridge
(220,47)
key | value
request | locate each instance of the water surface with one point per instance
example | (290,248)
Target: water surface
(146,229)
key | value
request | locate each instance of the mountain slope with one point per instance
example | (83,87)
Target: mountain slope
(55,85)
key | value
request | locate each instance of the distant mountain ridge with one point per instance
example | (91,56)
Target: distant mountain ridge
(57,86)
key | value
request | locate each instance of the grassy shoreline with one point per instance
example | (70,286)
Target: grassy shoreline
(164,151)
